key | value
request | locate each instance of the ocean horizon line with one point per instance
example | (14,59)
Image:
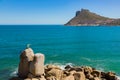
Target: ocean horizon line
(28,24)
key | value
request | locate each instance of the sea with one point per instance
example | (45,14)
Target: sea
(98,47)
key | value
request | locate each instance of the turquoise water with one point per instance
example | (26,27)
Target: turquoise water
(98,47)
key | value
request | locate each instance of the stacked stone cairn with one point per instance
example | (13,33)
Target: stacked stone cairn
(31,67)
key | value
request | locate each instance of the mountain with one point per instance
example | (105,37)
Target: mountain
(87,18)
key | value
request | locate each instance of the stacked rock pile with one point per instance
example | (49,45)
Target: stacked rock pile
(31,67)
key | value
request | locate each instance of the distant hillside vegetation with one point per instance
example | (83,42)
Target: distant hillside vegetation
(85,17)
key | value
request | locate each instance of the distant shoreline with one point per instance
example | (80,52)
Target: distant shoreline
(66,25)
(92,25)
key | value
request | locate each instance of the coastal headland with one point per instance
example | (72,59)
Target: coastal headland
(31,67)
(88,18)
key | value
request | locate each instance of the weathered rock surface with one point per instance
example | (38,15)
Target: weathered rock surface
(79,76)
(111,76)
(70,77)
(37,65)
(32,67)
(26,56)
(55,72)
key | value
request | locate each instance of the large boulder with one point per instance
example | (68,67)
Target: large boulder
(56,73)
(26,56)
(103,74)
(72,72)
(111,76)
(96,78)
(70,77)
(37,65)
(96,73)
(87,69)
(79,76)
(66,73)
(89,76)
(51,78)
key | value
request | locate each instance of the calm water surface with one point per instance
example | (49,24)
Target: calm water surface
(98,47)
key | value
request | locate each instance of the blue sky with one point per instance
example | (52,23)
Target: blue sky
(52,11)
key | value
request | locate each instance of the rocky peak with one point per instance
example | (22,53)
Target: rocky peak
(83,11)
(77,13)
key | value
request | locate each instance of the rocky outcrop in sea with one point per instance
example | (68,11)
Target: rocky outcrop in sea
(31,67)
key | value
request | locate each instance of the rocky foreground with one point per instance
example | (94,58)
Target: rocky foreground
(31,67)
